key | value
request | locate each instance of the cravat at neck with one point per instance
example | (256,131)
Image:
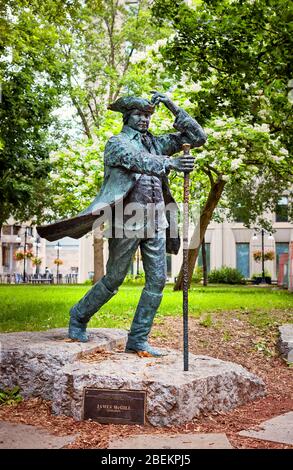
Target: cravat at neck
(146,141)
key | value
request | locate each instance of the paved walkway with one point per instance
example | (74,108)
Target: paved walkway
(23,436)
(278,429)
(176,441)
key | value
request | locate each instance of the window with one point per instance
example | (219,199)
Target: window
(5,255)
(242,258)
(6,230)
(280,249)
(15,229)
(282,210)
(208,256)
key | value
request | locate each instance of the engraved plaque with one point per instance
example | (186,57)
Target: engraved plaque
(114,406)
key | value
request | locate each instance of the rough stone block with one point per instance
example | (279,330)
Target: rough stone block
(173,396)
(285,342)
(32,359)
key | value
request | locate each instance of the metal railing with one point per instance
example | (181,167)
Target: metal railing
(17,278)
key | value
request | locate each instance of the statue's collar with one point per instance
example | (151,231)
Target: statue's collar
(132,133)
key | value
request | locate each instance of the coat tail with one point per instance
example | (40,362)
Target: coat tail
(75,227)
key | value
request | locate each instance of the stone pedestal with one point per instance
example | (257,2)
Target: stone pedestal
(31,359)
(173,396)
(45,364)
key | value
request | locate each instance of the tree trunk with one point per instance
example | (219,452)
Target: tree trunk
(205,218)
(98,254)
(1,261)
(137,261)
(83,118)
(204,262)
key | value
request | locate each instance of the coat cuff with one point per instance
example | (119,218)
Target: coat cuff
(167,165)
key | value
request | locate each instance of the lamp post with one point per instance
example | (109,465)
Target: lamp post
(18,239)
(24,253)
(37,245)
(270,237)
(58,248)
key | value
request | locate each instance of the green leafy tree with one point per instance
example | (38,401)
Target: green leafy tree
(103,40)
(31,78)
(244,46)
(232,59)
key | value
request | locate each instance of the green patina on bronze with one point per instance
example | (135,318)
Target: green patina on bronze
(134,160)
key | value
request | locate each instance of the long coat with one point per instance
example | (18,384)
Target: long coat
(126,159)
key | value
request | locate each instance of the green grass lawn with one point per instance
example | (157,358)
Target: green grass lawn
(42,307)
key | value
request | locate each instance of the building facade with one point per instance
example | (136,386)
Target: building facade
(227,244)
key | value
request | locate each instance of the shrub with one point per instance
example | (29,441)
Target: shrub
(226,275)
(10,396)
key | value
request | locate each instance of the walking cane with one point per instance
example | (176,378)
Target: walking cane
(186,149)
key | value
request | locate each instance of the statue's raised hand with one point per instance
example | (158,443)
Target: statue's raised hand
(158,98)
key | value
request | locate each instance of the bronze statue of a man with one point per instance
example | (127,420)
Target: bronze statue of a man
(136,167)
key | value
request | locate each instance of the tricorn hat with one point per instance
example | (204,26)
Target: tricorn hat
(126,104)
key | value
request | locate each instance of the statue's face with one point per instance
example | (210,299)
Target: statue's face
(139,120)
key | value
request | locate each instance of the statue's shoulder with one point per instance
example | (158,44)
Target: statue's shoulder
(121,137)
(117,143)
